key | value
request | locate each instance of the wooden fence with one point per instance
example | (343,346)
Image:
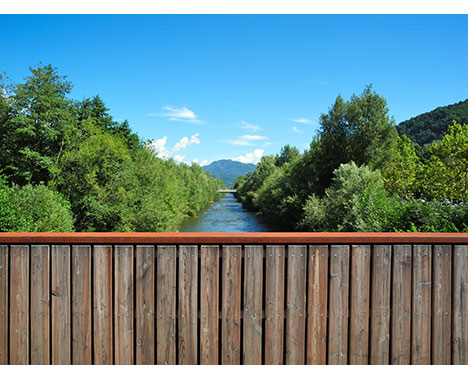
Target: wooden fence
(268,298)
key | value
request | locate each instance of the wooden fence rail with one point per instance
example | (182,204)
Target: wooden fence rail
(173,299)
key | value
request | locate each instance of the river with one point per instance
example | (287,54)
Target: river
(226,215)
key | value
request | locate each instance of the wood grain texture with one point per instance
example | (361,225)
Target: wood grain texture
(166,305)
(61,304)
(40,304)
(231,304)
(19,304)
(296,304)
(421,327)
(81,305)
(441,305)
(123,305)
(103,317)
(253,306)
(317,305)
(209,300)
(188,304)
(274,304)
(401,305)
(144,303)
(460,305)
(359,305)
(4,308)
(338,304)
(380,304)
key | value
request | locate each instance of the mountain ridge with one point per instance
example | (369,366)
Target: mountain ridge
(228,170)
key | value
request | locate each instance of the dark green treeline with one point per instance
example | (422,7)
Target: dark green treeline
(359,175)
(67,165)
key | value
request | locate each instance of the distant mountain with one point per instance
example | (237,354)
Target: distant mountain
(228,170)
(432,125)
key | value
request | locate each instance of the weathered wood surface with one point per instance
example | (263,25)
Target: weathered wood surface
(317,305)
(144,304)
(61,304)
(380,309)
(359,305)
(296,304)
(231,305)
(401,305)
(188,305)
(338,305)
(274,304)
(253,305)
(209,301)
(19,305)
(123,305)
(103,313)
(234,304)
(166,305)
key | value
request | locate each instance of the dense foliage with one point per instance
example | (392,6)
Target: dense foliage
(358,175)
(67,165)
(427,127)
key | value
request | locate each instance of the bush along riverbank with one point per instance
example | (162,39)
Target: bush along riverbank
(67,165)
(359,175)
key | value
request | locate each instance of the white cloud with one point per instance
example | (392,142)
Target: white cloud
(250,158)
(178,114)
(296,130)
(179,158)
(195,160)
(303,120)
(252,127)
(204,162)
(253,137)
(238,142)
(184,142)
(159,147)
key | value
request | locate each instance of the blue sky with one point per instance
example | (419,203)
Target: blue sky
(207,87)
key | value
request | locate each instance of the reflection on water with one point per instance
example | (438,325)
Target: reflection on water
(227,215)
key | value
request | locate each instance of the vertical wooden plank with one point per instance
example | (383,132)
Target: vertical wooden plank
(102,284)
(209,300)
(274,304)
(442,305)
(188,304)
(359,305)
(61,305)
(401,305)
(460,305)
(123,305)
(421,332)
(253,309)
(338,320)
(144,304)
(19,304)
(231,302)
(4,304)
(81,304)
(166,305)
(317,305)
(296,304)
(40,305)
(380,304)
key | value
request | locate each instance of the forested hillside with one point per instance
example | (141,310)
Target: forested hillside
(430,126)
(359,175)
(68,165)
(228,170)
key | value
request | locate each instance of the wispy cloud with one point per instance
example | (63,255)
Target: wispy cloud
(252,127)
(303,120)
(250,158)
(238,142)
(178,114)
(204,162)
(246,140)
(253,137)
(296,130)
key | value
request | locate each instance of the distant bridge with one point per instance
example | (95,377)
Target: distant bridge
(227,191)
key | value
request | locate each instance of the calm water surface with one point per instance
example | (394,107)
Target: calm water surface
(226,215)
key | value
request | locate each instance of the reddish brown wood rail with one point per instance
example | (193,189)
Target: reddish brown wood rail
(260,298)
